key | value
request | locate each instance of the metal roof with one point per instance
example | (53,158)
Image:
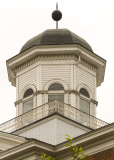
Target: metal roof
(56,37)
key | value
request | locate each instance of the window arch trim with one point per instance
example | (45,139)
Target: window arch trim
(85,87)
(28,93)
(25,89)
(56,81)
(55,87)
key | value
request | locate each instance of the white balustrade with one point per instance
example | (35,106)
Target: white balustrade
(49,109)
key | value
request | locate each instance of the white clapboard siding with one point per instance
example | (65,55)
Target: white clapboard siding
(62,72)
(53,131)
(30,77)
(94,110)
(83,77)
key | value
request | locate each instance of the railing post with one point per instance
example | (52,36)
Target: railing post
(55,106)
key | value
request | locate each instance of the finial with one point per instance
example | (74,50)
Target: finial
(56,15)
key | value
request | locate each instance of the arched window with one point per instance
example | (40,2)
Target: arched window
(84,102)
(84,92)
(56,91)
(28,93)
(28,100)
(56,86)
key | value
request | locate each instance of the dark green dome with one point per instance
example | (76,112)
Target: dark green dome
(56,37)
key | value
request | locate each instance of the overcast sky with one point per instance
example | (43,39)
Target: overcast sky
(93,20)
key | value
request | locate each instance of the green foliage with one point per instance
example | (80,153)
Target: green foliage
(76,153)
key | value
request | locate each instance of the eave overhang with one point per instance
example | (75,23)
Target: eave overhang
(7,140)
(75,49)
(92,142)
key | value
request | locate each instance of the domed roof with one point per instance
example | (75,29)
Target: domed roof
(55,37)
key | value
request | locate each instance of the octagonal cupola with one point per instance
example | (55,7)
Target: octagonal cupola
(56,57)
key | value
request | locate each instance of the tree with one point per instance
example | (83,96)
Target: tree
(76,153)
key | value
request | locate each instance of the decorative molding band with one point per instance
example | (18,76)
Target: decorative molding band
(46,57)
(40,92)
(94,101)
(85,63)
(17,102)
(72,91)
(55,57)
(66,91)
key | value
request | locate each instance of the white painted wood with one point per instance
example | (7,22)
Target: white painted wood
(66,98)
(95,88)
(39,85)
(35,102)
(53,131)
(17,110)
(62,49)
(72,86)
(30,77)
(94,110)
(86,69)
(72,77)
(38,75)
(77,102)
(20,109)
(83,77)
(17,87)
(69,100)
(53,72)
(72,99)
(91,108)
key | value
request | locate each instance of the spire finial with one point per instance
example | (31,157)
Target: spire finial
(56,6)
(56,15)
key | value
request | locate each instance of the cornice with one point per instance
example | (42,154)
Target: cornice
(89,65)
(54,57)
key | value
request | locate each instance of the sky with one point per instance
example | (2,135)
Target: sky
(93,20)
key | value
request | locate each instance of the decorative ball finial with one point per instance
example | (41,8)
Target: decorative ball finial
(56,15)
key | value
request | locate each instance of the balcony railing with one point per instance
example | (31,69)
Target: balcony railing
(49,109)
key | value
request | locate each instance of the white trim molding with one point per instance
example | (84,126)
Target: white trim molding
(86,87)
(21,100)
(56,81)
(25,88)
